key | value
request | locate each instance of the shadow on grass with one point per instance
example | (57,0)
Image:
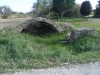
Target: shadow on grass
(4,41)
(53,38)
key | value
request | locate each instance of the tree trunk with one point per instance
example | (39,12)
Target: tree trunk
(57,17)
(85,18)
(61,16)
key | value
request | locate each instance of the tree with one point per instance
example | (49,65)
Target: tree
(86,8)
(75,12)
(97,11)
(61,6)
(5,11)
(42,7)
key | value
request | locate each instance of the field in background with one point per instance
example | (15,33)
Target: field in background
(26,51)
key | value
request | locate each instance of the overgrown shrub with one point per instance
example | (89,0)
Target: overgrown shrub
(75,12)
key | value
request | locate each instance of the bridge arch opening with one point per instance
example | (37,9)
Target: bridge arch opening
(39,28)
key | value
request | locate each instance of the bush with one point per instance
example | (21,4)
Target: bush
(85,8)
(97,12)
(4,16)
(73,13)
(5,11)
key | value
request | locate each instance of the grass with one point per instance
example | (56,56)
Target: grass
(80,22)
(25,51)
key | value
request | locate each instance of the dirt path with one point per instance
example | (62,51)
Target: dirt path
(11,22)
(85,69)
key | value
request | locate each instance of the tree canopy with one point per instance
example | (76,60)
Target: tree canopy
(97,11)
(61,6)
(5,11)
(86,8)
(42,7)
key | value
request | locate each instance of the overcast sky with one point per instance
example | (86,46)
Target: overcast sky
(26,5)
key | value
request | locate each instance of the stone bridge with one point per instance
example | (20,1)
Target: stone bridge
(42,25)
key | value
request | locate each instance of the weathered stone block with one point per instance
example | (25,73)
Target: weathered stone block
(79,32)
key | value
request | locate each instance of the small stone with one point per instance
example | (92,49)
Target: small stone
(68,36)
(3,32)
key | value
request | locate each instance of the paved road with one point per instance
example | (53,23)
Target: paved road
(85,69)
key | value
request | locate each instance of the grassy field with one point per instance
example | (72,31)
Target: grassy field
(26,51)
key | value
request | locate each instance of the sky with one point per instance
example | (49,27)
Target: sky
(26,5)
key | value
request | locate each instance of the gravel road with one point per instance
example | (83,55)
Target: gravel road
(83,69)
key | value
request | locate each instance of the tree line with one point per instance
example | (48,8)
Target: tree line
(67,8)
(6,11)
(56,9)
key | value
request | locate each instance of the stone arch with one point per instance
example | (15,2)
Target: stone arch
(41,25)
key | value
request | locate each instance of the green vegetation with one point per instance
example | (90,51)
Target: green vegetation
(97,11)
(75,12)
(56,9)
(61,6)
(42,7)
(26,51)
(86,8)
(5,11)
